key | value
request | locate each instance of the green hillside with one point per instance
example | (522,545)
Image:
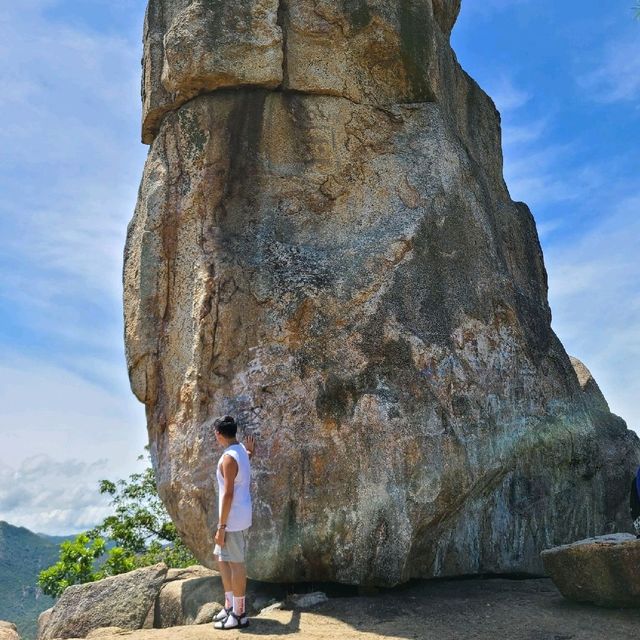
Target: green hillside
(56,539)
(23,554)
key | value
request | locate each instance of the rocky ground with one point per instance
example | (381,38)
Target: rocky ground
(444,610)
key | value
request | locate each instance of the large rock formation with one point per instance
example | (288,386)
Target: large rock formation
(324,246)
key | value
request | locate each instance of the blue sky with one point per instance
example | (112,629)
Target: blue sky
(565,76)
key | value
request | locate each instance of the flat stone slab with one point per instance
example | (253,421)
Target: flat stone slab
(604,570)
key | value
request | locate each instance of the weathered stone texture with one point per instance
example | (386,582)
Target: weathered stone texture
(446,13)
(123,601)
(602,570)
(8,631)
(43,621)
(195,46)
(344,270)
(371,51)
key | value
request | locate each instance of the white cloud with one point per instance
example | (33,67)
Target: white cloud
(48,502)
(70,118)
(538,169)
(48,415)
(530,161)
(534,169)
(534,174)
(615,75)
(70,105)
(506,95)
(590,230)
(47,409)
(51,496)
(594,290)
(523,133)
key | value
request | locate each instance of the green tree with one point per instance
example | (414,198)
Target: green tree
(139,527)
(76,565)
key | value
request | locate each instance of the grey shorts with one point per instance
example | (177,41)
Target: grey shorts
(235,543)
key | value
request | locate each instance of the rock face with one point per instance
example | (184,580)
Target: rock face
(43,621)
(8,631)
(602,570)
(372,51)
(120,601)
(324,247)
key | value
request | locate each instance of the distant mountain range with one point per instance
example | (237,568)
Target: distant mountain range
(23,554)
(55,539)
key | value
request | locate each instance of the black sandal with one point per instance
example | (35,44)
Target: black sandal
(242,622)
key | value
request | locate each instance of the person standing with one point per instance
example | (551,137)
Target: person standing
(234,519)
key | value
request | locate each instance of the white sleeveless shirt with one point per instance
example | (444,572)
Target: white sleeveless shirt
(240,513)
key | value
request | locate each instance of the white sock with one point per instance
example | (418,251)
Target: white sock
(238,606)
(228,599)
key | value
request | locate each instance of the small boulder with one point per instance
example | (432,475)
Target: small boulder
(194,595)
(207,612)
(602,570)
(123,601)
(307,600)
(8,631)
(180,601)
(276,606)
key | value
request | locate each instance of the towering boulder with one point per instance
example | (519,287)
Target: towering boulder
(324,247)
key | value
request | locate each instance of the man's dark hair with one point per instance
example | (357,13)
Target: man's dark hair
(226,426)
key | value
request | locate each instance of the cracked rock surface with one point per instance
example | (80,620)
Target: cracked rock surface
(324,246)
